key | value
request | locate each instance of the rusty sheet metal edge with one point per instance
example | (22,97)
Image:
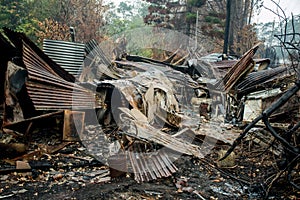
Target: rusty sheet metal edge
(48,91)
(239,70)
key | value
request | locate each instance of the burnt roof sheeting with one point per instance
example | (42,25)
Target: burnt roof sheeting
(150,166)
(220,68)
(16,38)
(238,71)
(49,91)
(68,55)
(255,79)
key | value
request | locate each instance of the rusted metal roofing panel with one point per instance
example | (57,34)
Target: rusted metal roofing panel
(238,71)
(18,39)
(150,166)
(257,78)
(68,55)
(48,90)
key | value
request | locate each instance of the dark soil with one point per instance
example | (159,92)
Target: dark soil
(67,175)
(201,178)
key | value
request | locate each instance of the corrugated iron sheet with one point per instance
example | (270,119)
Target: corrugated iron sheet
(238,70)
(93,50)
(254,79)
(150,166)
(48,90)
(68,55)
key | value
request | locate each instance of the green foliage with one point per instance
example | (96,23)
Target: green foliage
(191,17)
(126,16)
(117,25)
(43,9)
(217,14)
(196,3)
(26,15)
(125,9)
(213,20)
(144,52)
(18,15)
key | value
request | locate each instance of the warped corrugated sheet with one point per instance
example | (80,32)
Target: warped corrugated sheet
(47,89)
(222,67)
(150,166)
(255,79)
(238,71)
(18,39)
(69,55)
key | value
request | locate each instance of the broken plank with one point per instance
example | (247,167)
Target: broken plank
(73,125)
(22,126)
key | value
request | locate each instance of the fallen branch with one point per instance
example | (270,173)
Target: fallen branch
(277,104)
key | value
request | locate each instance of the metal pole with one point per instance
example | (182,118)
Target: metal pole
(196,34)
(72,32)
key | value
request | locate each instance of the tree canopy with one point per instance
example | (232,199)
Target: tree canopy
(33,17)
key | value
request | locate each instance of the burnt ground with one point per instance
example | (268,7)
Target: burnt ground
(68,174)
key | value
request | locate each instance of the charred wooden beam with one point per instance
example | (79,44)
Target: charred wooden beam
(22,125)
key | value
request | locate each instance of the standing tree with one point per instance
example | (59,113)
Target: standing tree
(178,15)
(181,15)
(227,27)
(239,20)
(124,16)
(17,15)
(86,16)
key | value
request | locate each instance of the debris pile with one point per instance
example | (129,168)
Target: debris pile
(133,114)
(132,110)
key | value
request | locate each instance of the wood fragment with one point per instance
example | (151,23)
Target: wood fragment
(73,125)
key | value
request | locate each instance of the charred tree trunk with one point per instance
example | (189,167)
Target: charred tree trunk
(227,27)
(232,28)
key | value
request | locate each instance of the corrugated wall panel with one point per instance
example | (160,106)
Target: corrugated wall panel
(68,55)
